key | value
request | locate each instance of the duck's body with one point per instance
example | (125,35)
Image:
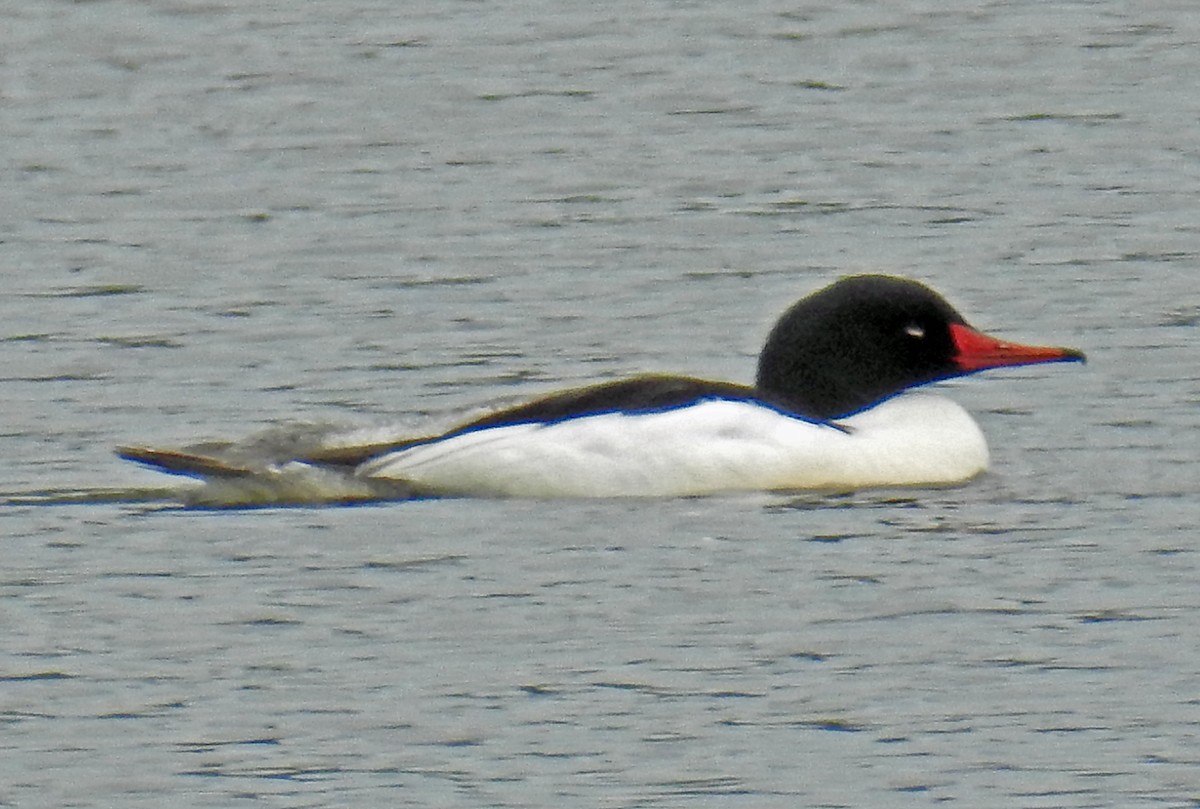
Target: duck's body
(717,445)
(830,410)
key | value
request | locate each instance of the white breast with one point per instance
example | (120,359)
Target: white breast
(714,446)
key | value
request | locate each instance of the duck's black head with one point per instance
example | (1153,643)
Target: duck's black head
(868,337)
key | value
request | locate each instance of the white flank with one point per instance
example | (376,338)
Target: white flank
(715,446)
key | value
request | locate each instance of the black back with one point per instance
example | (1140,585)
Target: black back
(636,394)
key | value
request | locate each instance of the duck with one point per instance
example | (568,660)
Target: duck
(839,402)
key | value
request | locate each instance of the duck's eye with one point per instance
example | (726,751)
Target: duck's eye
(915,330)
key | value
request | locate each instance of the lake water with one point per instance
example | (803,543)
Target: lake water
(219,217)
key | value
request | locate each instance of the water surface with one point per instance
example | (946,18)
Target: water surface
(220,218)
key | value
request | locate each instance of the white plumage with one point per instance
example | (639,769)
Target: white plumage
(712,446)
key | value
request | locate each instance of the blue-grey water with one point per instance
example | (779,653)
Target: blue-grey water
(216,217)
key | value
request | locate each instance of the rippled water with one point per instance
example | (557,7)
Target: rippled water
(221,217)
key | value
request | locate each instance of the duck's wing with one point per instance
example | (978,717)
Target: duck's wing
(636,394)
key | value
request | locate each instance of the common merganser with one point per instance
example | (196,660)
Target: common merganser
(831,408)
